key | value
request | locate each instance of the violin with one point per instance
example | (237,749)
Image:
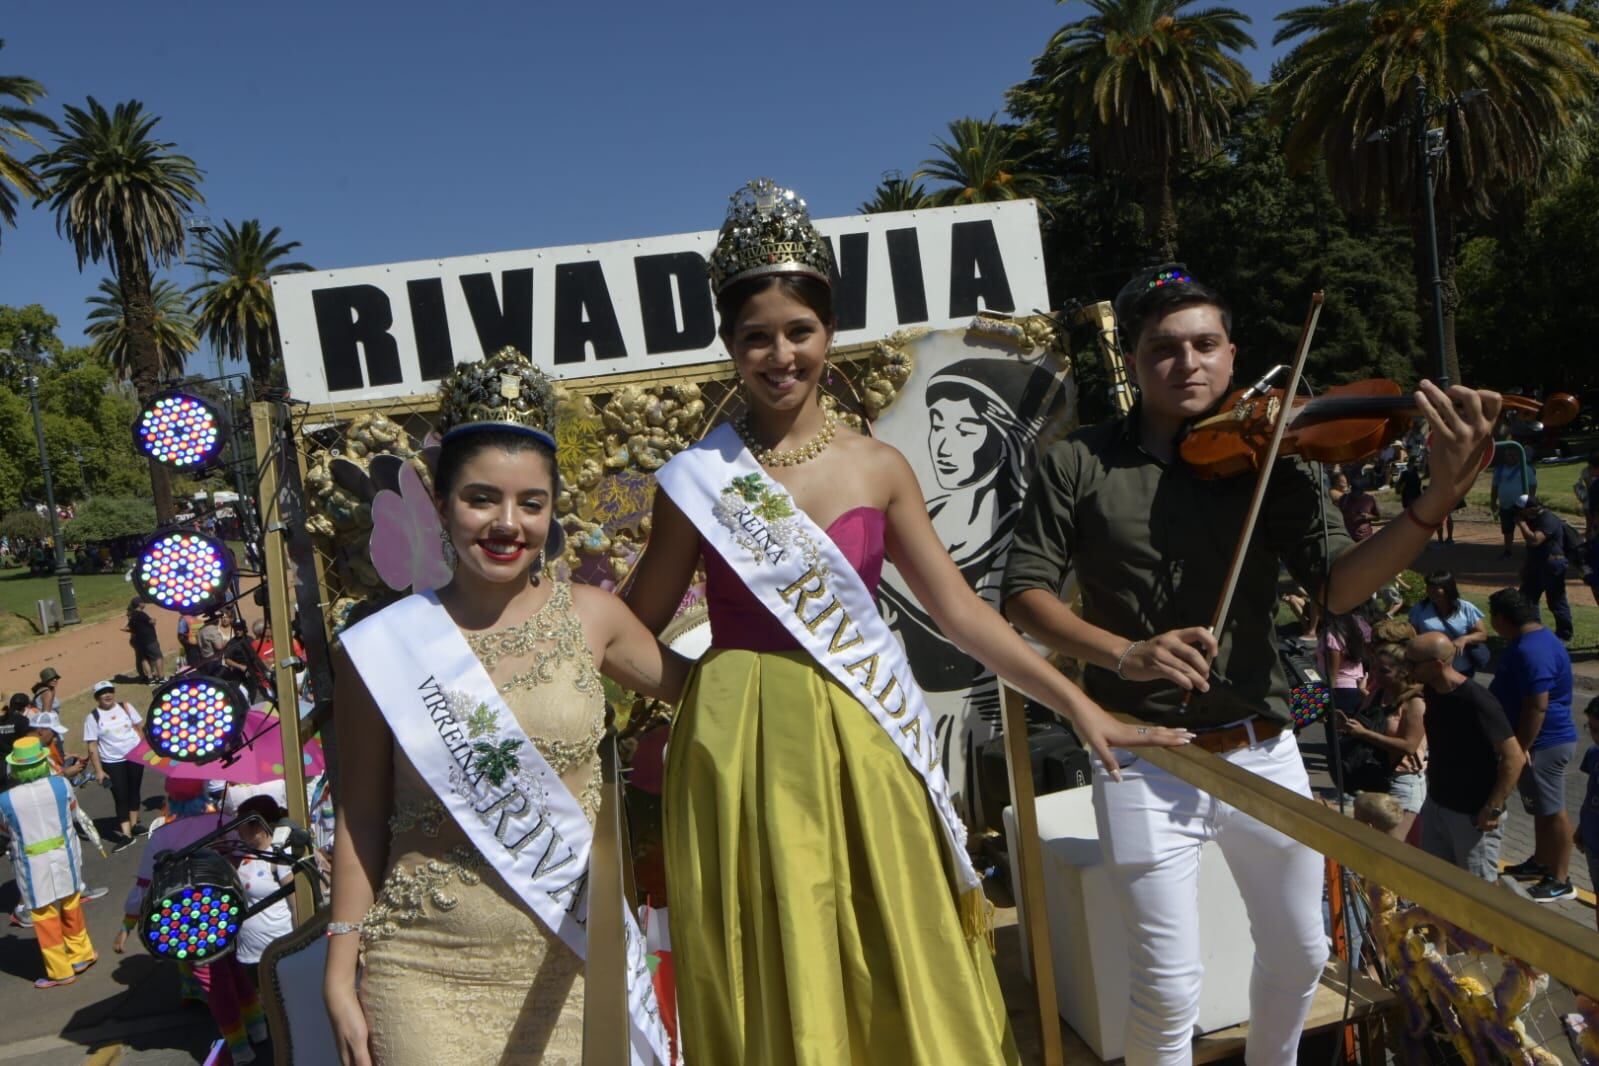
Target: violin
(1345,423)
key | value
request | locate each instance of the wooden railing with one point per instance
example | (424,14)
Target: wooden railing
(1543,939)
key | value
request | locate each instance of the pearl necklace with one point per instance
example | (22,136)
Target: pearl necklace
(803,454)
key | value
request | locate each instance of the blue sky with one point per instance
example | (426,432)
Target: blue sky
(378,132)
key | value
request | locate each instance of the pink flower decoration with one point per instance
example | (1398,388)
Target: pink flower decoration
(407,544)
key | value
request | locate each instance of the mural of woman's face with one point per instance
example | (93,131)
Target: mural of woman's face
(964,447)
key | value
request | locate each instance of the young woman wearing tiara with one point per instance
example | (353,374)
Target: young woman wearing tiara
(824,908)
(471,721)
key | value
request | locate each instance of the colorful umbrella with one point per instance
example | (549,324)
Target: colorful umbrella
(259,760)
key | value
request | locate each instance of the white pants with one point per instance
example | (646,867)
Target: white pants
(1151,828)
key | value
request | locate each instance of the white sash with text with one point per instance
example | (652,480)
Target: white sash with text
(800,576)
(456,729)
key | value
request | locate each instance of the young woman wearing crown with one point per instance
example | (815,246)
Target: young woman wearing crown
(471,773)
(824,908)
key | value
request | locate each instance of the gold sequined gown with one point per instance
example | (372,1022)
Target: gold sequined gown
(456,969)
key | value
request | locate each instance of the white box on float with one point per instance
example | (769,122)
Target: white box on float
(1089,943)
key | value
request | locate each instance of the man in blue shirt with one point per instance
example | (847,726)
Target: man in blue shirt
(1512,479)
(1533,685)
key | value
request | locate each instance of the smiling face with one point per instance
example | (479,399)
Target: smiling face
(497,514)
(957,441)
(1184,362)
(779,346)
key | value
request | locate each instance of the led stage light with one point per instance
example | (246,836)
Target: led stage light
(195,718)
(193,909)
(184,571)
(181,430)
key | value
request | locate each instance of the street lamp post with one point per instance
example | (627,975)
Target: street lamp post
(1429,222)
(69,596)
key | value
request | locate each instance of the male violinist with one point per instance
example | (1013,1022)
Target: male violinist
(1150,543)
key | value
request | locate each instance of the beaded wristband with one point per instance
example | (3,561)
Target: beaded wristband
(341,928)
(1121,659)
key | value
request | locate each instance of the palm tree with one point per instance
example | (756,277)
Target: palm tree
(1142,82)
(120,195)
(984,162)
(14,122)
(1356,70)
(895,193)
(234,302)
(175,335)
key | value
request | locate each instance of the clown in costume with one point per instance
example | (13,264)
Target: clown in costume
(38,812)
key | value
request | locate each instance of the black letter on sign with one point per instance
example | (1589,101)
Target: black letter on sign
(350,319)
(849,280)
(976,270)
(658,305)
(501,322)
(584,315)
(432,327)
(905,268)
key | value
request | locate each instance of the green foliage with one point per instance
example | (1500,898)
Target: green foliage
(234,302)
(16,176)
(87,418)
(27,334)
(1142,83)
(1528,313)
(25,523)
(121,195)
(1356,70)
(895,194)
(174,328)
(118,193)
(1268,238)
(984,161)
(109,517)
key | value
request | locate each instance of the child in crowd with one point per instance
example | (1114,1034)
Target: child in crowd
(1587,835)
(1380,811)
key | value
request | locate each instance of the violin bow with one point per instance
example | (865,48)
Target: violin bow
(1236,568)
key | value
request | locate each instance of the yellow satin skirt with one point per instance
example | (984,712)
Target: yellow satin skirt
(813,912)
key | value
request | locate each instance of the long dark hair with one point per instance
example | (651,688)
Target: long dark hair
(1445,580)
(1347,629)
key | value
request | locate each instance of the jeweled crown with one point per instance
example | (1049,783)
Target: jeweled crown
(503,391)
(768,231)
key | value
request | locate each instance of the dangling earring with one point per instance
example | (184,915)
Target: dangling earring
(538,568)
(451,558)
(829,381)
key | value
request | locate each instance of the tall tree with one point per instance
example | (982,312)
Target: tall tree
(983,161)
(121,195)
(15,119)
(895,194)
(1355,72)
(234,302)
(174,328)
(1143,82)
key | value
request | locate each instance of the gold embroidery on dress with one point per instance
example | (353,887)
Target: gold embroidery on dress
(425,815)
(405,896)
(554,635)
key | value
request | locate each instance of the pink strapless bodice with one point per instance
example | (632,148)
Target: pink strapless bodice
(737,618)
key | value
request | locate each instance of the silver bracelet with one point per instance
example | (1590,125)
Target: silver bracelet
(1121,659)
(340,928)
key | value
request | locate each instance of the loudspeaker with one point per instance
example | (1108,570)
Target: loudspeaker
(1058,762)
